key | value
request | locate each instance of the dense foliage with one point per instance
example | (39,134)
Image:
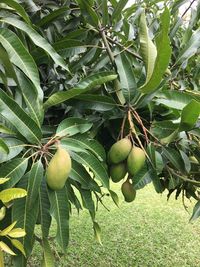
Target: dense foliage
(86,74)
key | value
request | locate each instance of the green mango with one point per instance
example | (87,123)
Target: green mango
(136,160)
(58,169)
(120,150)
(128,191)
(118,171)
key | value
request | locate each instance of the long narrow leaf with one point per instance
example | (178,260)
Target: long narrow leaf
(163,55)
(84,86)
(37,39)
(20,57)
(18,118)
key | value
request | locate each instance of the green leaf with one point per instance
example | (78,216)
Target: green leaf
(48,258)
(44,204)
(163,55)
(17,7)
(196,212)
(88,12)
(14,170)
(37,39)
(147,47)
(105,15)
(80,174)
(26,219)
(176,99)
(34,105)
(4,147)
(48,19)
(117,12)
(34,182)
(12,193)
(88,143)
(95,165)
(142,178)
(18,118)
(97,232)
(84,86)
(189,49)
(127,78)
(14,145)
(189,116)
(114,197)
(72,126)
(60,211)
(95,102)
(174,157)
(20,57)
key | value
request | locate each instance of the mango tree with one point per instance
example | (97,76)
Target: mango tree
(81,76)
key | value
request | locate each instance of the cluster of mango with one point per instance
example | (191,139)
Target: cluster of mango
(124,160)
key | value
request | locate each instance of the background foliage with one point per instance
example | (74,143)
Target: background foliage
(87,73)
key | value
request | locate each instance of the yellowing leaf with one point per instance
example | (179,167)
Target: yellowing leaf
(3,180)
(6,248)
(17,232)
(8,229)
(97,232)
(12,193)
(18,245)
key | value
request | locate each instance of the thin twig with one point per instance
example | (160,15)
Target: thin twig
(187,9)
(124,47)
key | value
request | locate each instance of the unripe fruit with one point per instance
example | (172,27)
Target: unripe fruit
(135,160)
(128,191)
(120,150)
(58,169)
(2,213)
(117,172)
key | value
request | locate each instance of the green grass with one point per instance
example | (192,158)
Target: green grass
(148,232)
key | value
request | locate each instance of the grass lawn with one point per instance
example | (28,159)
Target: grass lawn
(148,232)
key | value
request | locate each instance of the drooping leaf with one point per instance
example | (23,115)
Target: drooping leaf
(16,243)
(19,8)
(34,182)
(60,211)
(44,204)
(12,193)
(48,258)
(4,147)
(6,248)
(14,170)
(46,20)
(95,165)
(117,12)
(147,47)
(88,12)
(72,126)
(163,55)
(14,145)
(189,49)
(196,212)
(20,57)
(97,232)
(18,118)
(80,174)
(84,86)
(189,116)
(37,39)
(126,75)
